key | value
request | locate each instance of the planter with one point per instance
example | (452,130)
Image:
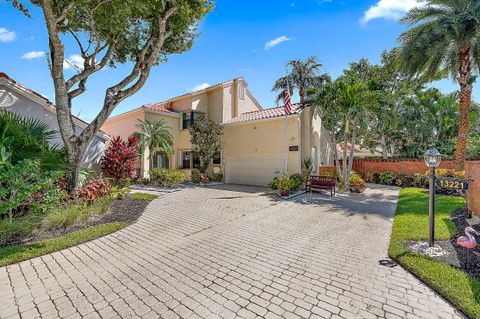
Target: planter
(357,188)
(283,193)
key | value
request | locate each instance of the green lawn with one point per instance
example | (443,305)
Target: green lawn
(13,254)
(411,222)
(144,196)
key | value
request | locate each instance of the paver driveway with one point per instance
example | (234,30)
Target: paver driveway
(230,252)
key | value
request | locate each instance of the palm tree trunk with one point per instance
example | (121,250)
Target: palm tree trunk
(352,152)
(301,93)
(465,101)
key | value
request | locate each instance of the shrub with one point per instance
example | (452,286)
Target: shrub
(297,181)
(166,177)
(25,186)
(386,178)
(119,161)
(217,177)
(357,184)
(195,177)
(95,188)
(287,183)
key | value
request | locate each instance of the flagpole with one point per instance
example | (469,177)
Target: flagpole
(286,121)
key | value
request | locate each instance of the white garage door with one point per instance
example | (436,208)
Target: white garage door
(254,169)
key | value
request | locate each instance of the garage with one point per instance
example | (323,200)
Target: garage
(253,168)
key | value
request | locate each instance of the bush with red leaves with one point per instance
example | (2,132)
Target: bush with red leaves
(120,159)
(95,188)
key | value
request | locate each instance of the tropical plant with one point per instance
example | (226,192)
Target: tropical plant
(25,138)
(24,187)
(206,139)
(166,177)
(155,135)
(195,177)
(443,37)
(307,168)
(108,33)
(120,159)
(302,76)
(95,188)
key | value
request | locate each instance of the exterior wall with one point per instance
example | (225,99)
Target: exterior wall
(28,108)
(123,126)
(366,167)
(182,105)
(314,135)
(258,149)
(215,105)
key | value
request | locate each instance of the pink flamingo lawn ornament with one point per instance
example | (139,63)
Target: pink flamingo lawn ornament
(468,241)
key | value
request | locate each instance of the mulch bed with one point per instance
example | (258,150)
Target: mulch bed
(465,259)
(125,210)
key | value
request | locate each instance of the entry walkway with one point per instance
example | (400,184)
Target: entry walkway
(230,252)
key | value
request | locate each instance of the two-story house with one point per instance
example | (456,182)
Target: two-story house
(254,141)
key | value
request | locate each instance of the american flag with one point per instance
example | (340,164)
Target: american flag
(286,100)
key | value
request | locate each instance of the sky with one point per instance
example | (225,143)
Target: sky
(249,38)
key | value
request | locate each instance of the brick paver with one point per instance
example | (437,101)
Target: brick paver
(230,252)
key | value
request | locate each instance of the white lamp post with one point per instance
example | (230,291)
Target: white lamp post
(432,159)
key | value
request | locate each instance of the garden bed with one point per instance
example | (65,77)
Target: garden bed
(462,258)
(118,214)
(460,287)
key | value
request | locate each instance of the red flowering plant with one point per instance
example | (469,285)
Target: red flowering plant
(95,188)
(120,159)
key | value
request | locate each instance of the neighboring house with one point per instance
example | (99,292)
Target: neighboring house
(358,151)
(254,144)
(17,98)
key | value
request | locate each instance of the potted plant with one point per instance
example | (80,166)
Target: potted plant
(284,185)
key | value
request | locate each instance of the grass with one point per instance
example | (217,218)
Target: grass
(143,196)
(14,254)
(411,223)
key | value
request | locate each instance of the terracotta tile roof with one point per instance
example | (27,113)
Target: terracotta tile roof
(262,114)
(159,107)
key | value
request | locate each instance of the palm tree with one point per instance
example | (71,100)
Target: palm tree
(155,135)
(26,138)
(303,75)
(444,35)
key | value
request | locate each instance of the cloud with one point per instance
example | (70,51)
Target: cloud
(200,86)
(274,42)
(7,35)
(390,9)
(73,61)
(33,55)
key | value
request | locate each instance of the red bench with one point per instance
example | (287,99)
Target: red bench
(317,183)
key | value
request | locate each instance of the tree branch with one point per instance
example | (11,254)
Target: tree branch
(140,72)
(64,13)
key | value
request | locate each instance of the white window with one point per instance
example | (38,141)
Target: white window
(241,91)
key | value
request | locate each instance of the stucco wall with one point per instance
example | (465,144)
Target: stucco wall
(257,150)
(215,105)
(31,109)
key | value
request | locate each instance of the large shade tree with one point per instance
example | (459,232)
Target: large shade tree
(107,33)
(445,35)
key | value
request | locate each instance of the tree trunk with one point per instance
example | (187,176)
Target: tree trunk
(384,148)
(344,161)
(301,93)
(75,153)
(352,151)
(465,101)
(335,155)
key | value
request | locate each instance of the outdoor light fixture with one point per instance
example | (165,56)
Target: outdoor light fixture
(432,160)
